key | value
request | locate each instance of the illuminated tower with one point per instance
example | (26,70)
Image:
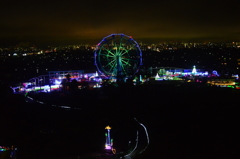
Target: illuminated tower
(194,71)
(157,77)
(108,144)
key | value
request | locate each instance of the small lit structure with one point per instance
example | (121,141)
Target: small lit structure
(109,142)
(157,77)
(215,73)
(194,71)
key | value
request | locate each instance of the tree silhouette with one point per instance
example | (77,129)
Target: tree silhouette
(68,76)
(73,85)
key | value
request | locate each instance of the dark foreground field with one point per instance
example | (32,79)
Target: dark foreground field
(187,121)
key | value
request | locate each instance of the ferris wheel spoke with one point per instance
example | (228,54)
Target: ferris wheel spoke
(110,63)
(123,51)
(115,43)
(120,45)
(113,66)
(127,50)
(126,63)
(108,51)
(123,68)
(118,51)
(108,55)
(120,42)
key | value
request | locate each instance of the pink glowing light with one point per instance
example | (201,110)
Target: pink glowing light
(107,147)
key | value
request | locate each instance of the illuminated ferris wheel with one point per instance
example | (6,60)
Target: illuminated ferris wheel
(118,55)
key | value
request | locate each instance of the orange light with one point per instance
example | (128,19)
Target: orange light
(107,127)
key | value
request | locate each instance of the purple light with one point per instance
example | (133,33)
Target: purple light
(107,147)
(57,82)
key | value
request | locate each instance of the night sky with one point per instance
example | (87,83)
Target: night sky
(148,21)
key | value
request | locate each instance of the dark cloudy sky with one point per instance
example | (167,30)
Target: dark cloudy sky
(72,21)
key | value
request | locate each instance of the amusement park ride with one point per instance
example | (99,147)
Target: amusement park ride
(108,145)
(118,56)
(141,143)
(109,141)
